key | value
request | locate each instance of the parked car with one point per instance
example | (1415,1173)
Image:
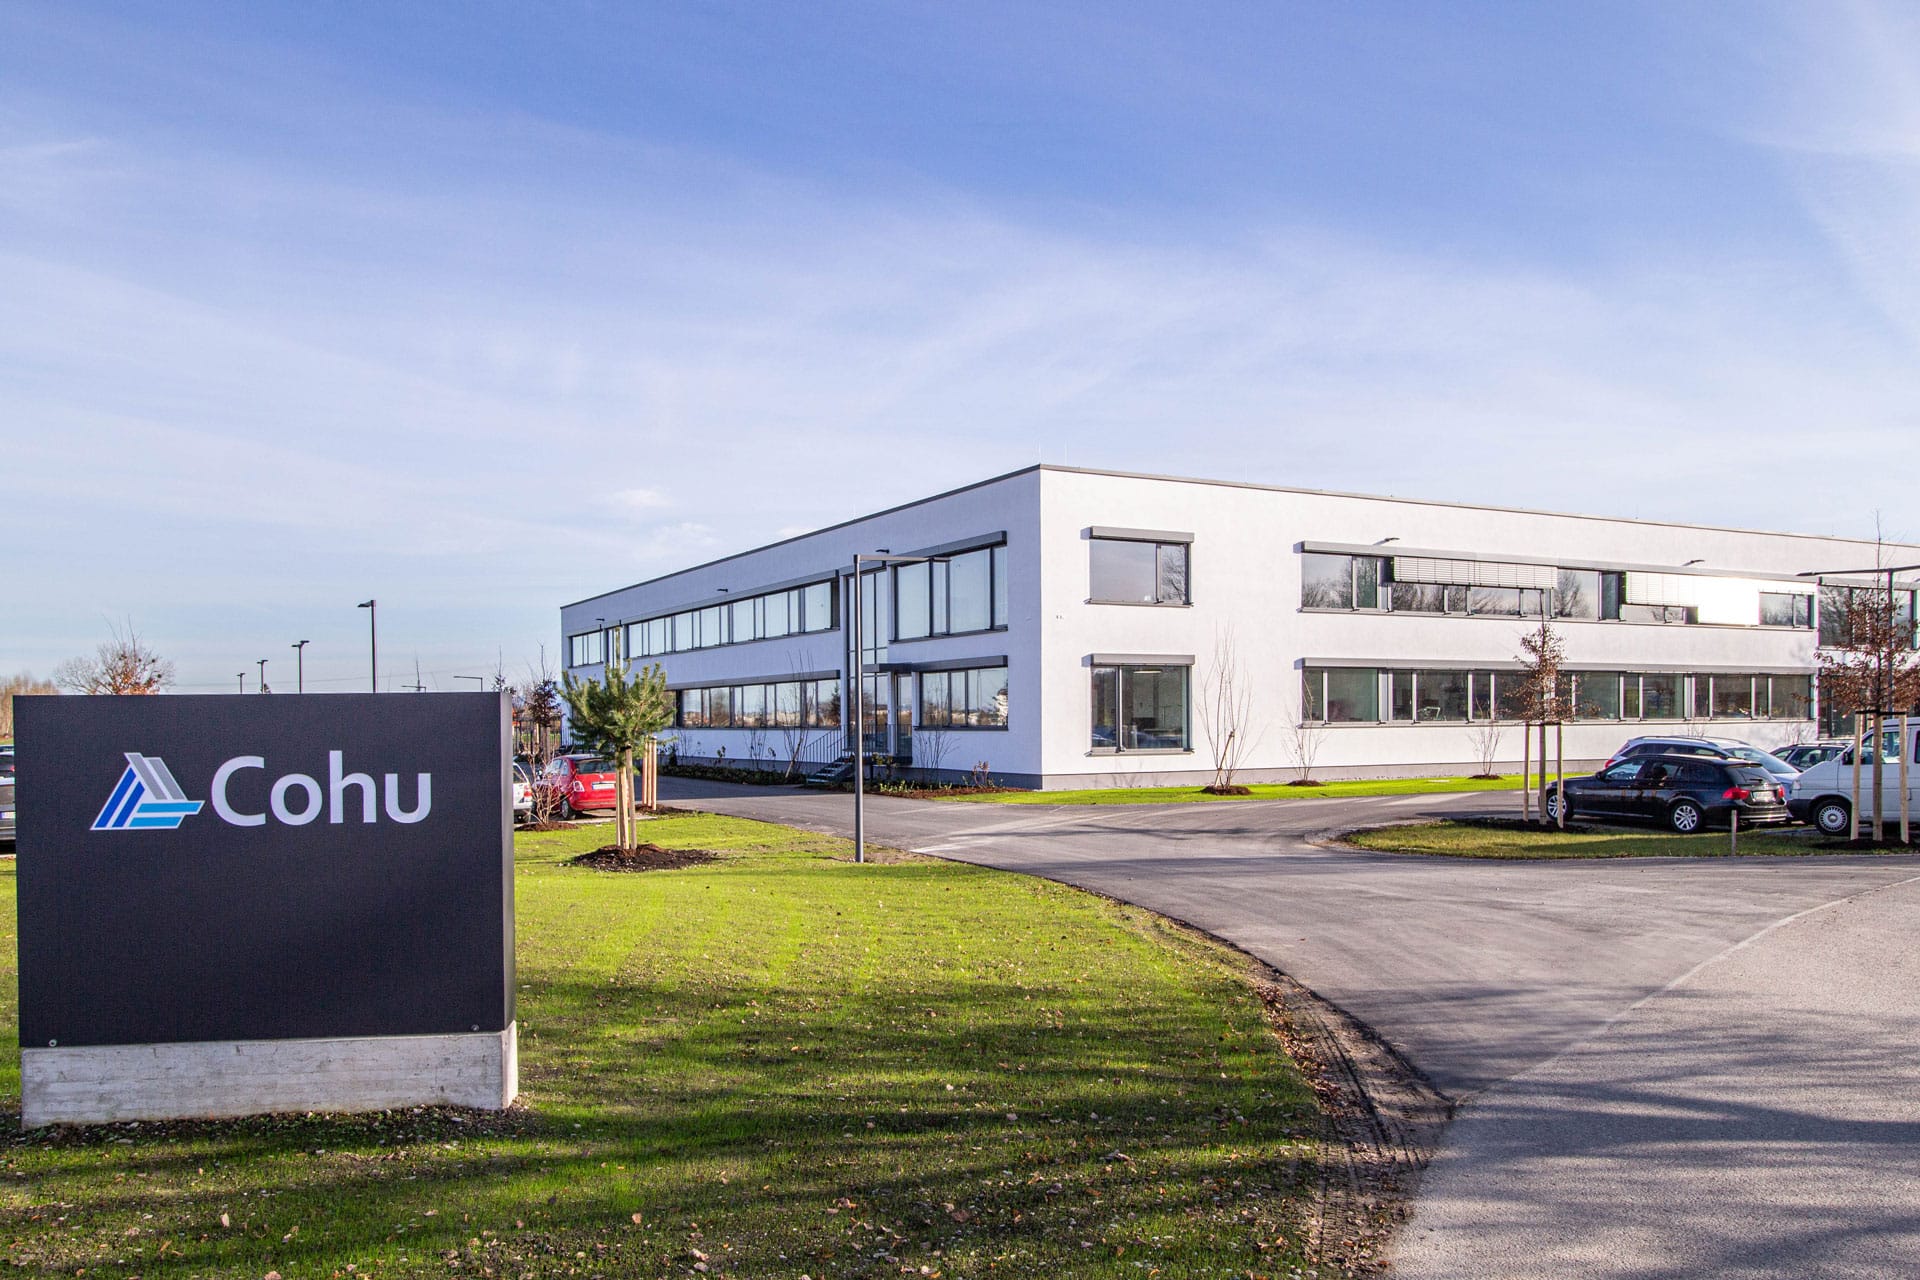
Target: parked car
(7,809)
(1688,792)
(1804,755)
(1823,795)
(522,793)
(580,782)
(1715,748)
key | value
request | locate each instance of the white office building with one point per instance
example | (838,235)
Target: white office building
(1067,627)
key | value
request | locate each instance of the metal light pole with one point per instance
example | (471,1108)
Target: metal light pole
(373,638)
(300,657)
(263,675)
(859,664)
(243,682)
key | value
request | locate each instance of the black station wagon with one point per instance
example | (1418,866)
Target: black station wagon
(1688,793)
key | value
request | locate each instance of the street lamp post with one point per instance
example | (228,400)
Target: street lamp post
(263,675)
(882,560)
(243,681)
(300,672)
(373,639)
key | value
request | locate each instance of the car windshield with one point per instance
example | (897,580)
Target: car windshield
(593,764)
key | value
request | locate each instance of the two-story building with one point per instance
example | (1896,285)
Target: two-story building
(1066,627)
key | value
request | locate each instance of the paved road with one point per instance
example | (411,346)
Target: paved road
(1665,1068)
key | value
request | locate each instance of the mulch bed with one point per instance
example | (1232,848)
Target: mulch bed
(1231,789)
(646,857)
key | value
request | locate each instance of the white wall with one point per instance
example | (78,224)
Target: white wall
(1245,575)
(1011,504)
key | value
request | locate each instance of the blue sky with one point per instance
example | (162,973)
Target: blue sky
(481,308)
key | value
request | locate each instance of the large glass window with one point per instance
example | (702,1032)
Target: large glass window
(1140,709)
(1418,597)
(1596,695)
(972,699)
(1326,582)
(1785,609)
(1128,572)
(1341,694)
(586,648)
(1661,696)
(1790,697)
(1732,696)
(1576,594)
(952,596)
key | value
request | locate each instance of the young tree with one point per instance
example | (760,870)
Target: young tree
(1307,732)
(1868,666)
(1543,698)
(619,717)
(538,711)
(22,683)
(1485,737)
(1226,710)
(121,665)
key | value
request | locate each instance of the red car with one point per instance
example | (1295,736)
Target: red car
(580,782)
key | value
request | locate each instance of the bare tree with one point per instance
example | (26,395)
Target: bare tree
(24,683)
(1226,710)
(1305,734)
(122,665)
(1485,737)
(932,742)
(537,712)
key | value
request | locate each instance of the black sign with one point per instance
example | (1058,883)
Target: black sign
(265,867)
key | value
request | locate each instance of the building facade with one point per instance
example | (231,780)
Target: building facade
(1066,627)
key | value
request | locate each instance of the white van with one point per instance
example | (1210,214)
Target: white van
(1823,795)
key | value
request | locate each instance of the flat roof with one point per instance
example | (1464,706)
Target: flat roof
(1234,484)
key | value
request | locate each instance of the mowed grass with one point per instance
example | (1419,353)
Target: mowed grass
(1260,791)
(1467,839)
(777,1065)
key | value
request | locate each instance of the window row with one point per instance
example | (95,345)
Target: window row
(1411,584)
(586,648)
(1140,708)
(1126,571)
(1370,695)
(971,699)
(952,595)
(785,704)
(763,617)
(1866,616)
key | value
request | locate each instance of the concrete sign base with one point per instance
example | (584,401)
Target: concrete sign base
(222,1078)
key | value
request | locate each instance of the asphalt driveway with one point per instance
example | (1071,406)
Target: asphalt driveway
(1665,1067)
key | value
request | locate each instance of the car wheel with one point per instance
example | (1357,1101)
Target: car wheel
(1551,806)
(567,812)
(1833,817)
(1686,817)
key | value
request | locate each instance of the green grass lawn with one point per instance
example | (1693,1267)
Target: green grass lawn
(1468,839)
(779,1064)
(1260,790)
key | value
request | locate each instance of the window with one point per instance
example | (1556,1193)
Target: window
(1427,695)
(971,699)
(1596,695)
(1140,709)
(1339,695)
(586,648)
(1790,697)
(1346,582)
(951,596)
(1576,594)
(1660,696)
(1129,572)
(1785,609)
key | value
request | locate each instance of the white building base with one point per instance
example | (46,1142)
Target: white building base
(103,1083)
